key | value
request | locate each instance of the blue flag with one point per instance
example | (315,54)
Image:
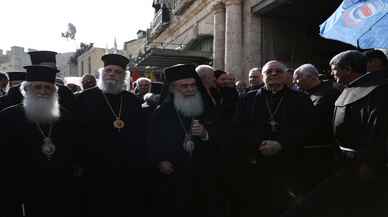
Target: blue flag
(362,23)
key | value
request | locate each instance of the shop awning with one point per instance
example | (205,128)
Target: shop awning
(167,57)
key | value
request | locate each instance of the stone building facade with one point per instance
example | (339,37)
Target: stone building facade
(16,58)
(90,61)
(241,34)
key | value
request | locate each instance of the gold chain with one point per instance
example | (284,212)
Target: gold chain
(118,117)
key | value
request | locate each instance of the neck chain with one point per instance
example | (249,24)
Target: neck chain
(188,144)
(48,147)
(117,123)
(272,122)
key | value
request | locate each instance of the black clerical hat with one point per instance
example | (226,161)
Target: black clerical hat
(41,73)
(43,58)
(156,87)
(16,76)
(115,59)
(178,72)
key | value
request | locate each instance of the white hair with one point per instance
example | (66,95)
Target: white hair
(254,70)
(188,106)
(203,70)
(282,65)
(25,85)
(142,79)
(112,86)
(147,96)
(307,70)
(40,109)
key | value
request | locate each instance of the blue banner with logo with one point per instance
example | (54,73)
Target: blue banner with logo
(362,23)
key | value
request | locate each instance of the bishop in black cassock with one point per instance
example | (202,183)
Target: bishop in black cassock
(113,147)
(181,147)
(37,159)
(274,125)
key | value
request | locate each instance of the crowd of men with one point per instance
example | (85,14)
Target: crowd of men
(289,144)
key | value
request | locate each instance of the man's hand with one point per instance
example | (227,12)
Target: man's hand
(166,167)
(269,147)
(199,130)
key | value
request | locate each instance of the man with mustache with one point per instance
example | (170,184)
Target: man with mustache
(37,153)
(113,147)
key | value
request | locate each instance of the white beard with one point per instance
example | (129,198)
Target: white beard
(189,106)
(41,109)
(111,86)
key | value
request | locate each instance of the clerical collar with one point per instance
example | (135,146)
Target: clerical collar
(279,93)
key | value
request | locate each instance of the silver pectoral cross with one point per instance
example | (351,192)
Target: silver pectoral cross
(48,147)
(274,125)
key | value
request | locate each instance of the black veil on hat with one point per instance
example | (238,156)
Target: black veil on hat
(115,59)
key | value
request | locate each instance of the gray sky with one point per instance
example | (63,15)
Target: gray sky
(38,24)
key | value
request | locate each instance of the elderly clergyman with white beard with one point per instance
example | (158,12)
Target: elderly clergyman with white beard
(113,150)
(37,152)
(181,145)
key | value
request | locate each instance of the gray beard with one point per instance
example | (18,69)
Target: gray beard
(41,109)
(191,106)
(111,86)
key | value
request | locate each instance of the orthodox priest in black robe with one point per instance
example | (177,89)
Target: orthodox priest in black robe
(181,146)
(113,152)
(274,126)
(37,157)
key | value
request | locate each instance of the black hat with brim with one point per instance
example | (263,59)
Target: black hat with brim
(43,58)
(16,76)
(115,59)
(41,73)
(178,72)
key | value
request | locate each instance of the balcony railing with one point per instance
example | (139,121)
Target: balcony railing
(181,5)
(161,21)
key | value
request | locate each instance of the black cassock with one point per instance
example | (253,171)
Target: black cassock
(320,154)
(268,183)
(113,159)
(44,186)
(361,125)
(189,190)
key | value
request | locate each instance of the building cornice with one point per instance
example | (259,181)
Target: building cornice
(232,2)
(218,7)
